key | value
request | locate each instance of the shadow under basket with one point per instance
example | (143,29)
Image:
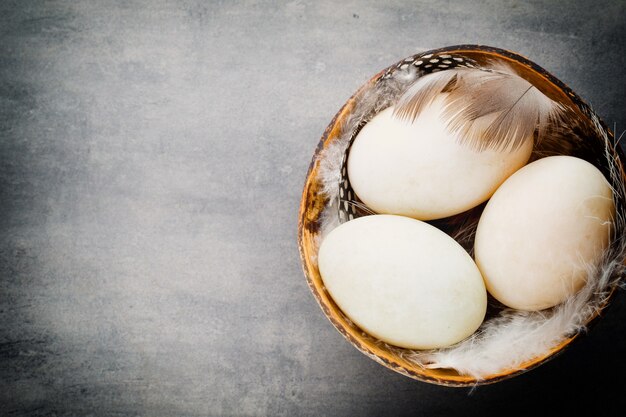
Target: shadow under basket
(587,138)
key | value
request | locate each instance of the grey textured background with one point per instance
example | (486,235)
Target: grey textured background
(152,155)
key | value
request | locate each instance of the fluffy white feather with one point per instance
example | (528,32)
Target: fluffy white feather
(371,101)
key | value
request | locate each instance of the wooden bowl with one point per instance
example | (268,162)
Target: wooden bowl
(314,202)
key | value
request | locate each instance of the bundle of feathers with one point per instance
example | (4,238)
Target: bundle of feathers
(507,338)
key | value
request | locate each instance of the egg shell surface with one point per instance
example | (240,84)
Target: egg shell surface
(422,170)
(542,230)
(403,281)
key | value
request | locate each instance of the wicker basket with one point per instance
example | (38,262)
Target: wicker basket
(314,202)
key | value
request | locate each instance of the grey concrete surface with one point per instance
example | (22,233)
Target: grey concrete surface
(152,155)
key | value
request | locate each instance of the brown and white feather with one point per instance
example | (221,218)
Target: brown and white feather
(489,107)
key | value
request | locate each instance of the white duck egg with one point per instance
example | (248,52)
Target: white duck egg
(543,230)
(422,170)
(403,281)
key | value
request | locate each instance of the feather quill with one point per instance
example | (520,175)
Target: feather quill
(486,107)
